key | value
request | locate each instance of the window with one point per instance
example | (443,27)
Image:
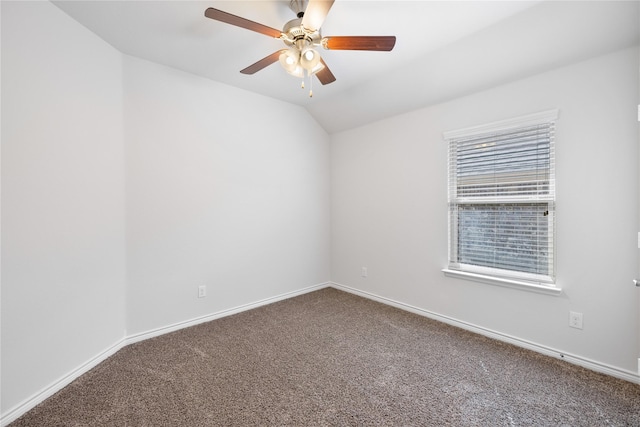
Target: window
(502,200)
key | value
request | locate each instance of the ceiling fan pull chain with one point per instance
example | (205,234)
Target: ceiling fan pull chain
(310,84)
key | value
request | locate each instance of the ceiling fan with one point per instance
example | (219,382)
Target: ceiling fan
(301,36)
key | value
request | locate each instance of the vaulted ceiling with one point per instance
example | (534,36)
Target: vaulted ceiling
(444,49)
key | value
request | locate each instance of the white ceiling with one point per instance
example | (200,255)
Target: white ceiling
(444,49)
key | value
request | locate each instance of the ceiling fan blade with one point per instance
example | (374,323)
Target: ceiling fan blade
(264,62)
(380,43)
(325,75)
(315,14)
(228,18)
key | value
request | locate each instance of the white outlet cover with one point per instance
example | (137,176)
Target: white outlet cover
(575,320)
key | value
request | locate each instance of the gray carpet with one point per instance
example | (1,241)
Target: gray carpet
(332,358)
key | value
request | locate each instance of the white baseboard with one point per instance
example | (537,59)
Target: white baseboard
(571,358)
(28,404)
(17,411)
(223,313)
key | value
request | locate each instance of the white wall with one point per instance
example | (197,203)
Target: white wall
(63,230)
(125,185)
(389,211)
(226,189)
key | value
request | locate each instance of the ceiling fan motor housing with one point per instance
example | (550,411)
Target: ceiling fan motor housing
(294,32)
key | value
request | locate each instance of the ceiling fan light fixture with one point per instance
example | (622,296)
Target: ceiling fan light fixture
(309,54)
(289,59)
(297,71)
(309,58)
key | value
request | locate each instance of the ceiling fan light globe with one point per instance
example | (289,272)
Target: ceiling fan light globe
(297,71)
(289,60)
(309,59)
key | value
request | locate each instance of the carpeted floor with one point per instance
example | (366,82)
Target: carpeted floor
(332,358)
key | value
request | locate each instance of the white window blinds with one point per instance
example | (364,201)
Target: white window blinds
(502,199)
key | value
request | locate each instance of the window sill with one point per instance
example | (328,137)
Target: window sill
(508,283)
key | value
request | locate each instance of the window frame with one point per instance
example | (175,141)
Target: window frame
(504,277)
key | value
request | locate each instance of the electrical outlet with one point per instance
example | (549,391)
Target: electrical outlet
(575,320)
(202,291)
(364,272)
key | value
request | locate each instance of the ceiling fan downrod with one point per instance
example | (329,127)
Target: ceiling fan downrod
(298,7)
